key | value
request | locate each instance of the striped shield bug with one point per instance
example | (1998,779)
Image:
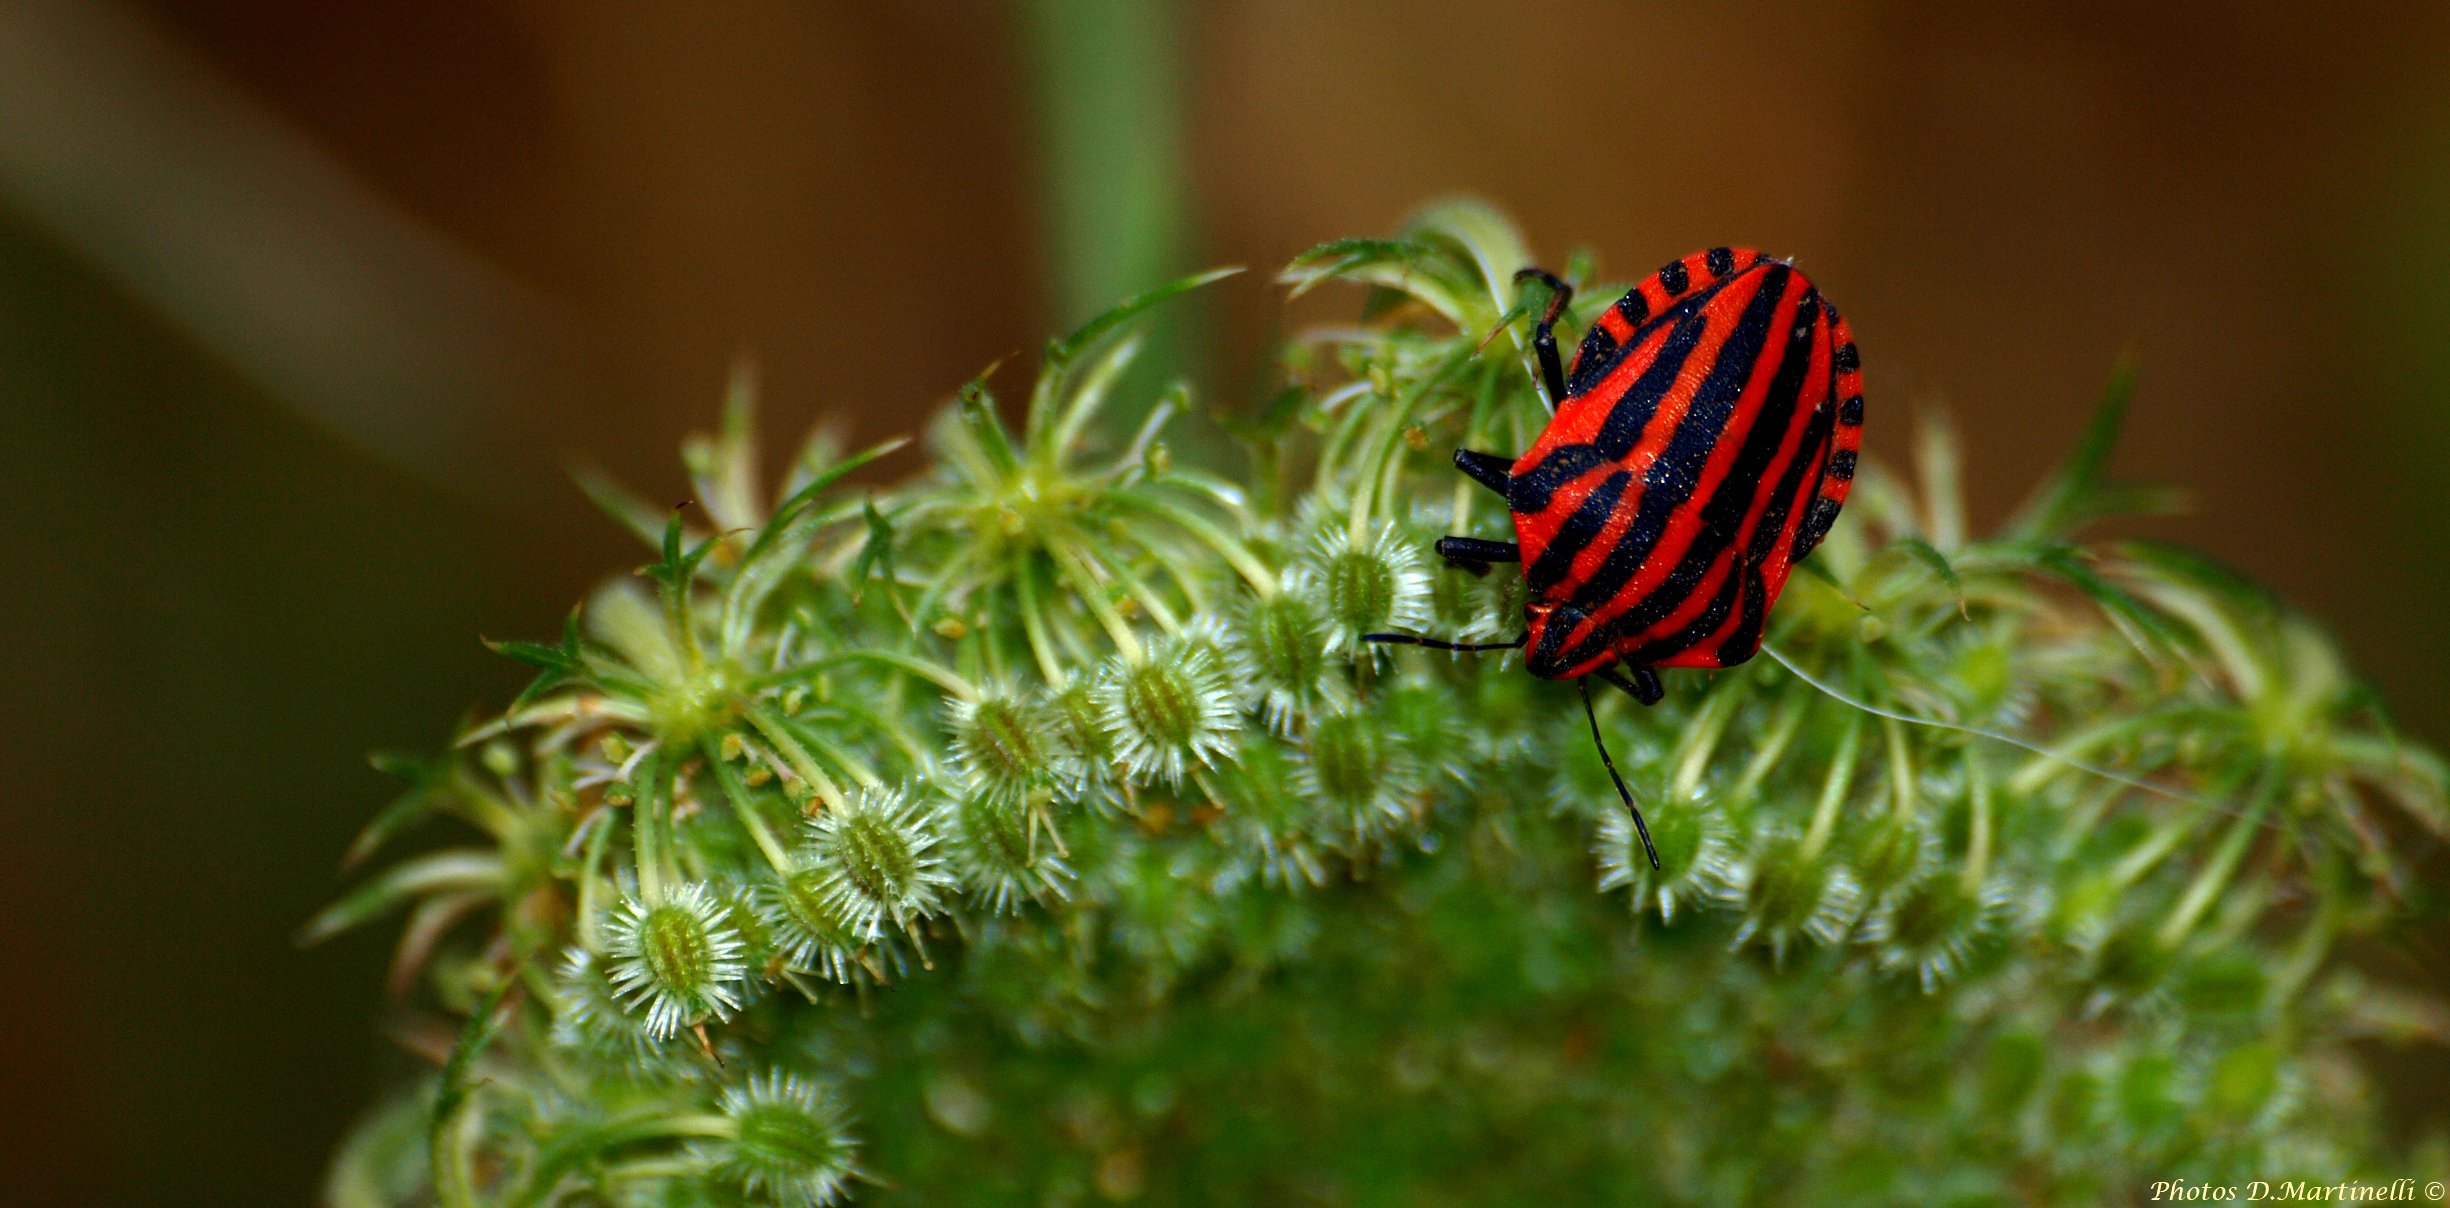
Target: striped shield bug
(1702,444)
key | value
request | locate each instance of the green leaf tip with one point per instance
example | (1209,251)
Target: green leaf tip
(1062,352)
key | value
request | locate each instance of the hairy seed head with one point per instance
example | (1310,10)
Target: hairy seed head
(790,1141)
(676,961)
(1172,710)
(879,853)
(1008,744)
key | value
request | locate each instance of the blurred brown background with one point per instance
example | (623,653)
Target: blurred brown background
(303,306)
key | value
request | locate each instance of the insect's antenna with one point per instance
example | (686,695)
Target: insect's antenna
(1406,639)
(1640,827)
(2110,774)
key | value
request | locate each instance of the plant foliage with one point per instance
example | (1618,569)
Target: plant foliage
(1039,831)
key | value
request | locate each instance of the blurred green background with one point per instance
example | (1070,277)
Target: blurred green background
(303,307)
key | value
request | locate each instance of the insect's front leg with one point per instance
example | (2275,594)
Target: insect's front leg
(1474,555)
(1487,469)
(1544,336)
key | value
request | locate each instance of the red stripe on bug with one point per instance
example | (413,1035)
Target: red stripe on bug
(1729,381)
(1685,525)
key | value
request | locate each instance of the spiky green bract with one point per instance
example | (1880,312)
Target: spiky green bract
(1372,582)
(594,1019)
(1009,744)
(1696,859)
(1281,657)
(1352,766)
(817,928)
(1007,850)
(789,1143)
(675,959)
(880,861)
(1172,710)
(1059,848)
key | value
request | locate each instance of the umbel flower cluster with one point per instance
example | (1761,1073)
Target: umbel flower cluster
(1041,831)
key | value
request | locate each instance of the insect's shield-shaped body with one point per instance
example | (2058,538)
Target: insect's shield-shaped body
(1705,442)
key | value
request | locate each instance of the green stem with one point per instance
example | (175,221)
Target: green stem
(1978,831)
(788,746)
(646,839)
(2307,954)
(590,926)
(2215,875)
(1110,112)
(1236,554)
(1033,623)
(1773,747)
(1134,586)
(452,1173)
(1389,457)
(1093,594)
(1834,787)
(744,805)
(2155,848)
(1702,738)
(1901,767)
(940,675)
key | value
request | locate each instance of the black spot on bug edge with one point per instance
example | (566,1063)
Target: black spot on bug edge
(1634,307)
(1848,360)
(1721,261)
(1816,525)
(1673,278)
(1842,465)
(1850,412)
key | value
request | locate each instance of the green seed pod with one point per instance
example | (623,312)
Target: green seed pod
(758,943)
(1268,830)
(880,854)
(2128,962)
(1891,851)
(1351,766)
(1172,710)
(815,929)
(1420,717)
(1377,584)
(1007,851)
(1280,657)
(676,961)
(1163,908)
(1455,603)
(1696,864)
(1008,745)
(1931,925)
(590,1017)
(1079,713)
(790,1141)
(2224,984)
(1789,893)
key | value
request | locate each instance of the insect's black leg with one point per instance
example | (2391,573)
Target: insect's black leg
(1646,687)
(1642,685)
(1406,639)
(1472,549)
(1487,469)
(1544,336)
(1639,827)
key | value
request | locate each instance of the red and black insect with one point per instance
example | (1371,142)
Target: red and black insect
(1703,443)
